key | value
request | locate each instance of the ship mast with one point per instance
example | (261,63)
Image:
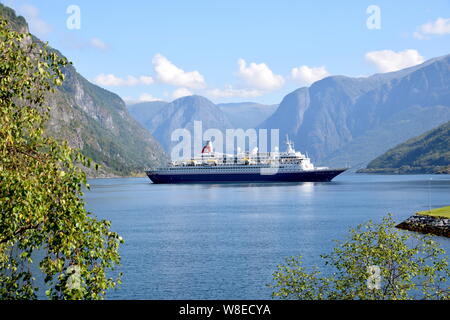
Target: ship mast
(289,145)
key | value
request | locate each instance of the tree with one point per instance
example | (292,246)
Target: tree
(376,262)
(43,223)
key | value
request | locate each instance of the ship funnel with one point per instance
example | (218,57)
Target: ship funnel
(208,148)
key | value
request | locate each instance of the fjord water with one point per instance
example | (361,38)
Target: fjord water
(225,241)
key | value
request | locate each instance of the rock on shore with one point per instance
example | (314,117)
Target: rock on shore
(427,224)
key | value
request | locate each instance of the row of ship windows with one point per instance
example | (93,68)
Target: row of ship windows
(240,162)
(224,169)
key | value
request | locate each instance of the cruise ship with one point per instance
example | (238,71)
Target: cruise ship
(212,167)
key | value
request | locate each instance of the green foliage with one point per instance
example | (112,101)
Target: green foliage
(428,153)
(411,267)
(41,211)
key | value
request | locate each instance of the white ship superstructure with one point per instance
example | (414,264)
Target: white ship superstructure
(211,166)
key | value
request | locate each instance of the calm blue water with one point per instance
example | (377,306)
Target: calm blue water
(225,241)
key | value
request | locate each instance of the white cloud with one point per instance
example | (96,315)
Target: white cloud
(98,44)
(37,25)
(259,76)
(388,60)
(181,92)
(144,97)
(146,80)
(419,35)
(73,41)
(147,97)
(308,75)
(230,92)
(439,27)
(168,73)
(110,80)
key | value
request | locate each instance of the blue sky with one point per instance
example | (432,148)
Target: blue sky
(236,50)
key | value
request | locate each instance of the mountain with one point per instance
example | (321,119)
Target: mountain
(428,153)
(341,120)
(181,114)
(161,118)
(246,115)
(143,112)
(95,121)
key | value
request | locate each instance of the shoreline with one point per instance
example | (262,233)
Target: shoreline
(435,222)
(399,173)
(115,177)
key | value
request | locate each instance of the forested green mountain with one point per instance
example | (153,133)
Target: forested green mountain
(428,153)
(95,121)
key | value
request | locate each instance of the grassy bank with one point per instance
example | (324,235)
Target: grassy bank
(440,212)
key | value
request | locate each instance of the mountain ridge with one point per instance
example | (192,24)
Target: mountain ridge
(338,119)
(246,115)
(162,118)
(342,121)
(181,114)
(95,120)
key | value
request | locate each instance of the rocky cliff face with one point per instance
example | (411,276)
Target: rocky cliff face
(96,121)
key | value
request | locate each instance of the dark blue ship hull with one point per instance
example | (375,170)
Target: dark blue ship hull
(306,176)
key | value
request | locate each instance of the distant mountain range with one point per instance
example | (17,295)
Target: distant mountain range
(96,121)
(161,118)
(341,120)
(245,115)
(338,121)
(428,153)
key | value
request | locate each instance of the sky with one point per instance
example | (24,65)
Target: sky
(233,51)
